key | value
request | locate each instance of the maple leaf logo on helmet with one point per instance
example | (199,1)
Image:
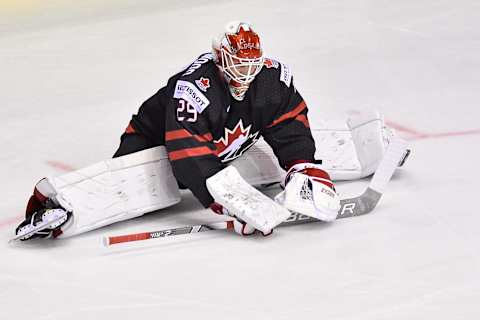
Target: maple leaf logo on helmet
(203,83)
(244,43)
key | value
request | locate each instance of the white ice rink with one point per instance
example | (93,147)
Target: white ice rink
(73,72)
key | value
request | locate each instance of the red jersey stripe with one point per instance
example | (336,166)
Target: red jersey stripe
(130,129)
(182,134)
(204,138)
(291,114)
(303,119)
(177,134)
(189,153)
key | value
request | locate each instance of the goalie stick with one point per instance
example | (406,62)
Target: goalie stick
(394,156)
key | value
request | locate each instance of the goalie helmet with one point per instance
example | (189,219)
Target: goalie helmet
(238,54)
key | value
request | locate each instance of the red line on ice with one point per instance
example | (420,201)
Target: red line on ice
(60,165)
(446,134)
(417,135)
(10,221)
(53,163)
(404,129)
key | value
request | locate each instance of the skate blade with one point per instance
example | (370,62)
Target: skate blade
(37,228)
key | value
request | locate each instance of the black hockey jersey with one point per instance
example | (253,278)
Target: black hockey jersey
(203,127)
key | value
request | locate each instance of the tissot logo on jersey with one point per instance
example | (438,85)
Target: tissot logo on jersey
(203,83)
(285,74)
(187,91)
(235,141)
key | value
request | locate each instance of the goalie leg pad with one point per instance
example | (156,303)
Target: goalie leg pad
(259,166)
(350,149)
(354,148)
(116,189)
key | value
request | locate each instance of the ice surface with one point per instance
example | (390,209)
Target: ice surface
(72,73)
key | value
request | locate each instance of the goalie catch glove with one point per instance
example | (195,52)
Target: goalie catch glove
(310,191)
(240,226)
(43,208)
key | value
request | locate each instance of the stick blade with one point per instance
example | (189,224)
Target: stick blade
(393,157)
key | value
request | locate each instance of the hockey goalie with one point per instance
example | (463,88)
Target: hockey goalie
(230,121)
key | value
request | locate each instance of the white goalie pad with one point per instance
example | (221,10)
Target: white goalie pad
(242,200)
(116,189)
(354,149)
(259,165)
(350,149)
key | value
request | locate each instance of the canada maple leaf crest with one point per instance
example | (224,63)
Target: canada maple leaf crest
(203,83)
(235,141)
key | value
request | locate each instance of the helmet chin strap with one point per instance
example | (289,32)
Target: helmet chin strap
(236,89)
(237,92)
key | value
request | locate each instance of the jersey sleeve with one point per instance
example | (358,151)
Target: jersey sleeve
(189,141)
(289,133)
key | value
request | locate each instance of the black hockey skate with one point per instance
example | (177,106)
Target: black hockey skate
(44,223)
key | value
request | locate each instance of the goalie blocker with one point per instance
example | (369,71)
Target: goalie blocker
(310,191)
